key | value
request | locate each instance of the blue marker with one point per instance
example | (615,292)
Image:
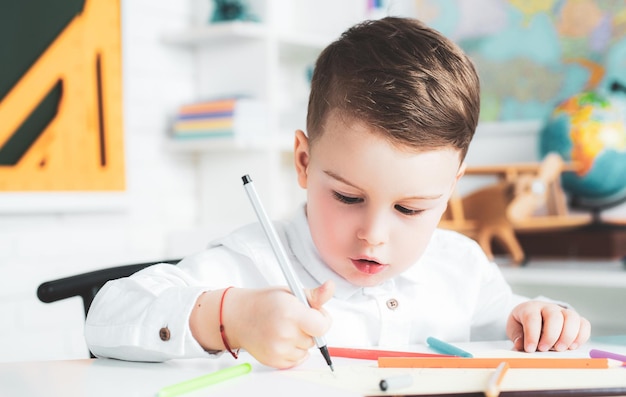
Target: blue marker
(446,348)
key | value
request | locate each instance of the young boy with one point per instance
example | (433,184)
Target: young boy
(392,110)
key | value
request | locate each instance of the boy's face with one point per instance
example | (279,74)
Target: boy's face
(371,207)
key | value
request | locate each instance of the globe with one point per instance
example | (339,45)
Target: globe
(589,130)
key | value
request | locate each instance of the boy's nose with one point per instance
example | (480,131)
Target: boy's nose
(373,229)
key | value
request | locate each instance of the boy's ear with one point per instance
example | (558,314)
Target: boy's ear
(459,174)
(301,157)
(461,171)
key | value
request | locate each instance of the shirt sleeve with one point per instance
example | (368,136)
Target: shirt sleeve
(145,317)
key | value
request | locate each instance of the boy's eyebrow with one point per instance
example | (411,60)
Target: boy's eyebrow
(342,180)
(431,197)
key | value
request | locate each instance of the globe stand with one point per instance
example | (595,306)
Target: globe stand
(602,239)
(597,241)
(597,205)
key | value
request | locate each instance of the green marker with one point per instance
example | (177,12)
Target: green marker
(204,380)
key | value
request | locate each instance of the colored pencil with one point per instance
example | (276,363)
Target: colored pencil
(446,348)
(204,380)
(461,362)
(595,353)
(495,380)
(372,354)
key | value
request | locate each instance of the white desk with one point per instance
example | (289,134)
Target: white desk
(108,378)
(112,378)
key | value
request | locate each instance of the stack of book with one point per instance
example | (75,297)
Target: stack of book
(220,118)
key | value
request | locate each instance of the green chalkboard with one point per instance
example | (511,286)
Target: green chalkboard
(27,28)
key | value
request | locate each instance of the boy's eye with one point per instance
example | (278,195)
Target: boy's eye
(347,199)
(407,211)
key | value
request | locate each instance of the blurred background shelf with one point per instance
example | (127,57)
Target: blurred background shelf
(222,33)
(571,273)
(237,31)
(200,146)
(274,66)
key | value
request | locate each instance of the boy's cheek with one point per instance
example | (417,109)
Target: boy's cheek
(333,225)
(334,222)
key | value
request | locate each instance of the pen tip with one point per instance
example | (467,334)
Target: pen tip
(332,368)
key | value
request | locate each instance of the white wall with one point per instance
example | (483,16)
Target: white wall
(159,199)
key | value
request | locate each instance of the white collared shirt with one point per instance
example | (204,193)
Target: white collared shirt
(453,292)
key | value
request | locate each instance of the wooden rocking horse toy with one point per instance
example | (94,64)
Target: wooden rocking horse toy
(526,198)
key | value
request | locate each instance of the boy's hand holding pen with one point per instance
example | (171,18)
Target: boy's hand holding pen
(276,325)
(273,325)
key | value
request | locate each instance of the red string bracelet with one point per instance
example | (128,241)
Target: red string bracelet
(222,331)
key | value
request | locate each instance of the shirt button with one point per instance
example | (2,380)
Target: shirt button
(392,304)
(164,334)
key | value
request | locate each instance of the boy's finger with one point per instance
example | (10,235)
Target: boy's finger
(571,327)
(583,334)
(552,327)
(320,295)
(314,322)
(532,331)
(518,342)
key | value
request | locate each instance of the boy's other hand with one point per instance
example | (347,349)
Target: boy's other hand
(542,326)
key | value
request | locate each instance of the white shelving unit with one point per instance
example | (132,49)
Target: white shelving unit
(231,32)
(256,60)
(594,274)
(269,61)
(237,31)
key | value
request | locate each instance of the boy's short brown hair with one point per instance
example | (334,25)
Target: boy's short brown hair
(401,77)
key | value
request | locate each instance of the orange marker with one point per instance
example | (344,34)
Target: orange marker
(531,362)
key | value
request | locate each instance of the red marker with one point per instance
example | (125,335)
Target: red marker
(371,354)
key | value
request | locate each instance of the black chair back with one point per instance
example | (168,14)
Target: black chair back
(87,285)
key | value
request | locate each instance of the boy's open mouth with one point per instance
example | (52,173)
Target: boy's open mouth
(368,266)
